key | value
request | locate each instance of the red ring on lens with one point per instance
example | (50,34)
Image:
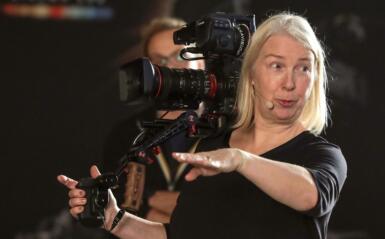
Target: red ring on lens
(160,77)
(213,86)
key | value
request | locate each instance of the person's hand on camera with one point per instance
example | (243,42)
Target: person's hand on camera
(77,198)
(212,162)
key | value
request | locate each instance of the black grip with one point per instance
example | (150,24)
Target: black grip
(93,214)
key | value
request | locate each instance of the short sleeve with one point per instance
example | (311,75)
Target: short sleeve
(327,165)
(167,229)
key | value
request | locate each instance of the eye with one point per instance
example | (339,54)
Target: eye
(276,66)
(305,68)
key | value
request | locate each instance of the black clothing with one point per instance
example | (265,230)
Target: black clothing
(229,206)
(155,177)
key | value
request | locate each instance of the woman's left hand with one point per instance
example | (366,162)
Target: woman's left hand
(212,162)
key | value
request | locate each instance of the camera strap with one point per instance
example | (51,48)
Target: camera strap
(164,166)
(136,173)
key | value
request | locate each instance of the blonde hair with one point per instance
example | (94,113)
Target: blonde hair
(314,116)
(159,25)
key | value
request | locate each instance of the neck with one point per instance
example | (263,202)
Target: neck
(263,137)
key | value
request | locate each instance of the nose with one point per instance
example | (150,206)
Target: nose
(289,81)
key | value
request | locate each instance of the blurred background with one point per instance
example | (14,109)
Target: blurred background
(60,109)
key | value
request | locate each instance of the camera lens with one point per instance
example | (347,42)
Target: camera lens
(181,88)
(171,89)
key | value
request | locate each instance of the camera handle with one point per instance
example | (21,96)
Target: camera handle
(96,190)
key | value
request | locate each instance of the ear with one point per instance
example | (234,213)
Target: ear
(252,79)
(251,75)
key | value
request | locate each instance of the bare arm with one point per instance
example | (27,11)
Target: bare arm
(135,227)
(163,201)
(161,204)
(129,226)
(157,216)
(289,184)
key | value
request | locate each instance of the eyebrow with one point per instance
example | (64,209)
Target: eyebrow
(273,55)
(156,55)
(281,57)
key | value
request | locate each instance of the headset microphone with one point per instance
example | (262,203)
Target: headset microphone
(269,105)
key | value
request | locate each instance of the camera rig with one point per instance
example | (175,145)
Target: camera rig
(221,39)
(97,188)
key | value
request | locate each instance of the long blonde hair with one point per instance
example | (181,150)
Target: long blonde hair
(314,116)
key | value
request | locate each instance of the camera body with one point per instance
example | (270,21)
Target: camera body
(217,33)
(221,40)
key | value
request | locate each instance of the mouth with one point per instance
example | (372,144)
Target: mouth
(286,103)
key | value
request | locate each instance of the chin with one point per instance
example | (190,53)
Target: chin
(286,116)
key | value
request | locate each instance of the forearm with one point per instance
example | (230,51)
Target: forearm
(287,183)
(158,216)
(133,227)
(164,207)
(163,201)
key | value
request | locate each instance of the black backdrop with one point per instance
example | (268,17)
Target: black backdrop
(59,101)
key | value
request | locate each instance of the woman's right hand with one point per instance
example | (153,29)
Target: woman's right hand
(77,198)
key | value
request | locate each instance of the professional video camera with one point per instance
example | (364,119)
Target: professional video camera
(221,39)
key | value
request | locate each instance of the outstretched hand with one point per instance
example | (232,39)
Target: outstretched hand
(78,197)
(212,162)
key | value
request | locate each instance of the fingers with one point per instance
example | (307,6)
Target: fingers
(195,159)
(193,174)
(76,202)
(76,193)
(77,196)
(94,171)
(181,157)
(66,181)
(76,210)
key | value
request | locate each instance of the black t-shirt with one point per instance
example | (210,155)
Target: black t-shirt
(229,206)
(155,177)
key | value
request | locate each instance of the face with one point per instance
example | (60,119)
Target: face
(283,74)
(162,51)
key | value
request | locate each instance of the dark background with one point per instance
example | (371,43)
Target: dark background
(60,109)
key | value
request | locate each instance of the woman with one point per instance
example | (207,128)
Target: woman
(271,175)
